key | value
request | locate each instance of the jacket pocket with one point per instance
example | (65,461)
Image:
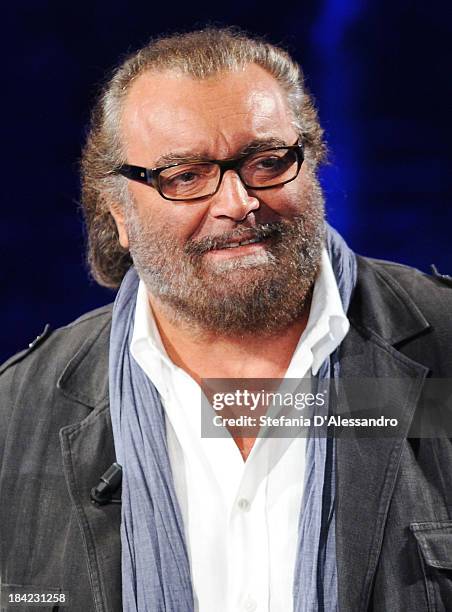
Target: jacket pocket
(26,598)
(434,541)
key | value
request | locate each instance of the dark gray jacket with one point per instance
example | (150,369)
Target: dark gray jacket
(394,495)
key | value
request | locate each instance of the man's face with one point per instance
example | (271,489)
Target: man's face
(180,249)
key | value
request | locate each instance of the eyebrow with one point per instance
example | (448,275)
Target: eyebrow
(258,144)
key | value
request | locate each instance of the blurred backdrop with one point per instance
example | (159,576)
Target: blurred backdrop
(379,71)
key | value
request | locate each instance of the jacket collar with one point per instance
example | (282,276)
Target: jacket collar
(381,307)
(85,376)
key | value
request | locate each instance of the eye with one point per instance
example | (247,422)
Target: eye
(267,163)
(269,168)
(273,160)
(187,179)
(187,173)
(270,162)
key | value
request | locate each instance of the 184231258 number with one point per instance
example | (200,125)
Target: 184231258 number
(23,597)
(36,598)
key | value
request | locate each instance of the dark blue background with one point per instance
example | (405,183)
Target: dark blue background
(379,70)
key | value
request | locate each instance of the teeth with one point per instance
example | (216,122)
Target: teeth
(232,245)
(250,241)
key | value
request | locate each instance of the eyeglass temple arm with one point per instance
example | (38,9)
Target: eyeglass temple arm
(137,173)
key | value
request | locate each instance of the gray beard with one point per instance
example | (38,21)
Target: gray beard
(263,293)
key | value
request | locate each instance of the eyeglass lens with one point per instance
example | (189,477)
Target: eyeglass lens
(194,180)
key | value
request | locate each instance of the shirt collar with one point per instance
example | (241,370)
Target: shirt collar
(145,331)
(327,323)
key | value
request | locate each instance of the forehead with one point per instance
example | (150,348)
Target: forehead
(166,112)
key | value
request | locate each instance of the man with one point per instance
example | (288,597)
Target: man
(200,168)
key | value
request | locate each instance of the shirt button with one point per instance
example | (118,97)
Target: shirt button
(250,605)
(244,505)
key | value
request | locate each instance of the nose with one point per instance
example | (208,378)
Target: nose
(232,200)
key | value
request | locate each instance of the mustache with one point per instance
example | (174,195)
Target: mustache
(260,232)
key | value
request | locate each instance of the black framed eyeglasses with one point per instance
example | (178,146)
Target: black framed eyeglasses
(195,180)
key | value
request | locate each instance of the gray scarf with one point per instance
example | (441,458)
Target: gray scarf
(155,565)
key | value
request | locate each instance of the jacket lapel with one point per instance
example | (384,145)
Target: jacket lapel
(88,451)
(381,315)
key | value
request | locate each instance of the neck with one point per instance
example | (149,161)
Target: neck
(209,354)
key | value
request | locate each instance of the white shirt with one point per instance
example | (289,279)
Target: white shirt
(240,518)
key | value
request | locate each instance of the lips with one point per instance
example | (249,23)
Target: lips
(240,239)
(232,245)
(234,239)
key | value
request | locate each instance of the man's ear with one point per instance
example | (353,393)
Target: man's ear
(117,212)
